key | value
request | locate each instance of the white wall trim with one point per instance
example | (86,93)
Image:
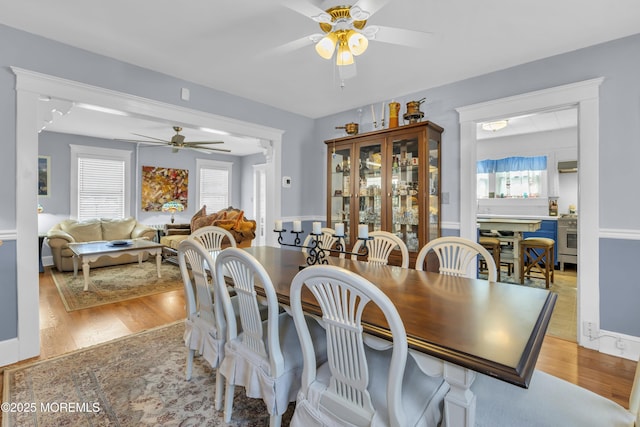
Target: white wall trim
(8,235)
(584,95)
(608,343)
(9,351)
(614,233)
(30,86)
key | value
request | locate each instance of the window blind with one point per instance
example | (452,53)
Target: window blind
(101,188)
(214,188)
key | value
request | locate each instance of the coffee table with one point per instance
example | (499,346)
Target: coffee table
(87,252)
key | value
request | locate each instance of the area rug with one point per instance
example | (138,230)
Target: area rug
(138,380)
(115,283)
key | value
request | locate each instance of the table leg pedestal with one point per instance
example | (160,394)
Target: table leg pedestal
(85,273)
(158,254)
(460,402)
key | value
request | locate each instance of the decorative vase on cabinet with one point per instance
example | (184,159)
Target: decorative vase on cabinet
(389,180)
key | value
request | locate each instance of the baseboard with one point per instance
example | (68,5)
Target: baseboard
(620,345)
(9,351)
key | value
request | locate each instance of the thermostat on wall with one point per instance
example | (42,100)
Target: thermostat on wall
(286,181)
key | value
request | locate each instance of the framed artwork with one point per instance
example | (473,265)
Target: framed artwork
(161,185)
(44,175)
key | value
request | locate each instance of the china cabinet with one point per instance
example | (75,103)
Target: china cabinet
(389,180)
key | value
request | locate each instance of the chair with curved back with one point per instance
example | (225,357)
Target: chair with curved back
(266,357)
(326,240)
(358,385)
(202,333)
(212,237)
(455,255)
(381,246)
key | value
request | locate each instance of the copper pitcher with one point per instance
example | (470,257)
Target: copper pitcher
(350,128)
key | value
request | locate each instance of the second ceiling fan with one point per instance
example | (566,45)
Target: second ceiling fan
(178,142)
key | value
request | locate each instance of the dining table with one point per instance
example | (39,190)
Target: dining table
(517,226)
(456,326)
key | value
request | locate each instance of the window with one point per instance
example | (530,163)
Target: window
(512,177)
(102,182)
(214,184)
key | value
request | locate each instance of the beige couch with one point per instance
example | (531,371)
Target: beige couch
(70,231)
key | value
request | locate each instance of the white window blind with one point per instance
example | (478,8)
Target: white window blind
(214,188)
(101,188)
(214,184)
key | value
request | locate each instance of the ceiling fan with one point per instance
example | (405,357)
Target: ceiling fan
(346,32)
(177,142)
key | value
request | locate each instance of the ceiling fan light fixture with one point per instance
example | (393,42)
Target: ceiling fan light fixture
(327,45)
(344,57)
(357,42)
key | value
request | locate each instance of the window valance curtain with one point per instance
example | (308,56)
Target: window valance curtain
(509,164)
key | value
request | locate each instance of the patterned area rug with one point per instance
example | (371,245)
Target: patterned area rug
(134,381)
(116,283)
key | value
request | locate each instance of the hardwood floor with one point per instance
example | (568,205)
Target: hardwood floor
(63,332)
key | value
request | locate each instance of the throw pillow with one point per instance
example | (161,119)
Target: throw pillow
(201,213)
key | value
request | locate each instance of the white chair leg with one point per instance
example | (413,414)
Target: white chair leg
(228,402)
(190,355)
(219,390)
(275,420)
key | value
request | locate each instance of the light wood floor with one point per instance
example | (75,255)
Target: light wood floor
(63,332)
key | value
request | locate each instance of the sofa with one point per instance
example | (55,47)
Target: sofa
(72,231)
(231,219)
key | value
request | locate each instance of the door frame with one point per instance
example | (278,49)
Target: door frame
(30,86)
(585,96)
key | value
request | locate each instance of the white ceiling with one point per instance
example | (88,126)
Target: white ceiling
(259,49)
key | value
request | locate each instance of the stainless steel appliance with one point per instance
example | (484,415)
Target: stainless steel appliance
(567,239)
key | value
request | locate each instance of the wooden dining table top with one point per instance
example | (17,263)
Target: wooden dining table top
(492,328)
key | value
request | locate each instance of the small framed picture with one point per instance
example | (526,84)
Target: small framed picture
(414,161)
(44,175)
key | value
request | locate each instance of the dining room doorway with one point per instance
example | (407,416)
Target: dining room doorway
(584,96)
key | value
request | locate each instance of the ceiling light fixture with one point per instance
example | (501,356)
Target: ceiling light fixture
(495,126)
(344,31)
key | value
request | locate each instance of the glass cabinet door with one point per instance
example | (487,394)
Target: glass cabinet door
(340,189)
(434,188)
(370,186)
(405,190)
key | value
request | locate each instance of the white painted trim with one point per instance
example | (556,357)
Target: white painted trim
(614,233)
(608,341)
(30,86)
(9,351)
(584,95)
(8,235)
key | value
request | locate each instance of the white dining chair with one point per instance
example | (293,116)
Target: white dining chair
(549,402)
(202,332)
(326,240)
(213,237)
(358,385)
(266,357)
(455,255)
(381,247)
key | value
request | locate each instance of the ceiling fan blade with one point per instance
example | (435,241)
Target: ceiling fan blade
(371,6)
(306,8)
(400,36)
(288,47)
(142,140)
(151,137)
(194,143)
